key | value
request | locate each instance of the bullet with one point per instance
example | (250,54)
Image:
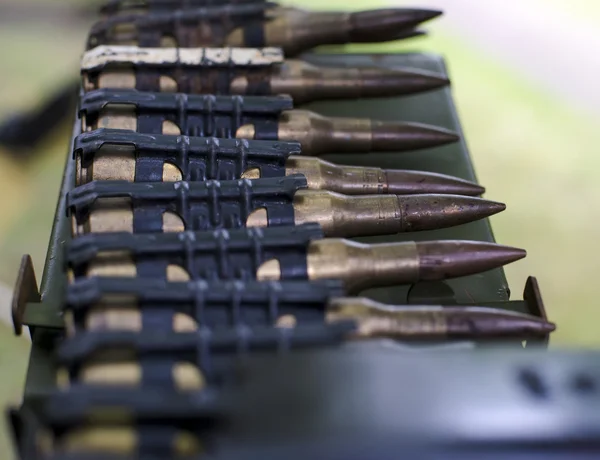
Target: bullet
(316,134)
(324,302)
(373,25)
(377,320)
(320,135)
(292,29)
(369,215)
(358,266)
(105,206)
(307,83)
(112,162)
(363,266)
(356,180)
(213,71)
(372,320)
(296,30)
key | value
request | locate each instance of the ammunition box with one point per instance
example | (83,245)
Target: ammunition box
(157,290)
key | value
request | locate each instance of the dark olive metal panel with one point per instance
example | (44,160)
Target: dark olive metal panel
(41,373)
(362,396)
(435,108)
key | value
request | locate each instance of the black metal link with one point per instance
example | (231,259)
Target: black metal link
(195,115)
(198,347)
(216,304)
(191,27)
(218,255)
(206,205)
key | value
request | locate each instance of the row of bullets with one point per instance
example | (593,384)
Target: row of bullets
(204,224)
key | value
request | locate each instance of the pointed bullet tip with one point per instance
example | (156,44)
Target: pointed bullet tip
(494,323)
(451,259)
(434,211)
(494,207)
(487,207)
(473,189)
(416,80)
(547,327)
(451,137)
(535,326)
(422,14)
(514,254)
(376,82)
(433,79)
(405,182)
(388,24)
(500,255)
(400,137)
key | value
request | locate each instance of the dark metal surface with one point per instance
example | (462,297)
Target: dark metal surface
(365,393)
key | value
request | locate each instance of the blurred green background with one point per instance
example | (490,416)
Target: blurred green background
(533,149)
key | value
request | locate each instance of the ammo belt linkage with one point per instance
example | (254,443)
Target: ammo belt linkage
(165,297)
(182,336)
(198,158)
(194,115)
(182,25)
(232,313)
(112,7)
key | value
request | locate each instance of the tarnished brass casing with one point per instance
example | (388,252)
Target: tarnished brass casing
(427,322)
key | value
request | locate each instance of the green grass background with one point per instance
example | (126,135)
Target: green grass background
(531,151)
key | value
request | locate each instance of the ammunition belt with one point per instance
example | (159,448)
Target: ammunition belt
(167,289)
(200,205)
(194,115)
(184,330)
(182,25)
(214,303)
(202,70)
(113,7)
(218,255)
(197,158)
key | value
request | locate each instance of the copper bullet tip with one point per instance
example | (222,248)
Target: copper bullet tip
(380,82)
(403,182)
(492,323)
(430,212)
(429,322)
(422,80)
(390,136)
(451,259)
(386,24)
